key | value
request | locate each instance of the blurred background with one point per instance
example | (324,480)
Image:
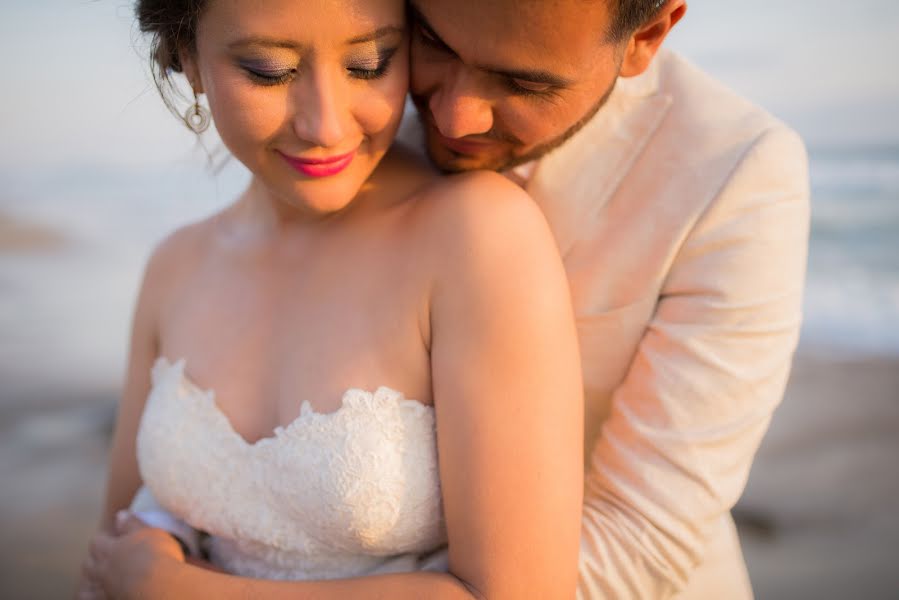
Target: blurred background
(93,171)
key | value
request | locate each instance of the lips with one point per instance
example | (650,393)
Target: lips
(464,146)
(320,166)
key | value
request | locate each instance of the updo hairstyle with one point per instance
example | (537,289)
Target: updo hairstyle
(172,27)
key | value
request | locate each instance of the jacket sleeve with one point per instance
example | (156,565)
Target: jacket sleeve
(674,454)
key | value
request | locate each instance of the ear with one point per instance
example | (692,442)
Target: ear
(188,58)
(646,41)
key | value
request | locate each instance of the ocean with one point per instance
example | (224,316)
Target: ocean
(70,304)
(852,292)
(88,150)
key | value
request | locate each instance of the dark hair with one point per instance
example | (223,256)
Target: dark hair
(628,15)
(172,26)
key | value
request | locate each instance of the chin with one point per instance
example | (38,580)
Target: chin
(322,196)
(310,198)
(325,197)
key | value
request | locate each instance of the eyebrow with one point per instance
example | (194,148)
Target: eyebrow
(532,75)
(372,36)
(377,34)
(264,41)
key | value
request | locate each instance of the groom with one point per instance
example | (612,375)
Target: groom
(681,212)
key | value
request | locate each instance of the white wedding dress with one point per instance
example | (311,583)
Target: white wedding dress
(332,495)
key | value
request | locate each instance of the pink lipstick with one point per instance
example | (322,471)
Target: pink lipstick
(320,167)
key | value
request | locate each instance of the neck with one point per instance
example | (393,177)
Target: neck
(269,214)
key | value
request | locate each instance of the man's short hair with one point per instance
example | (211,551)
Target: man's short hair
(628,15)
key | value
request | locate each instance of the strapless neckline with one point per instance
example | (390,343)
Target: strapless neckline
(329,495)
(164,368)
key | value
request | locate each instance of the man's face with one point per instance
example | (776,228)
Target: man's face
(501,82)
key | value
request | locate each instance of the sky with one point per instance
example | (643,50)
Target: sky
(77,92)
(86,145)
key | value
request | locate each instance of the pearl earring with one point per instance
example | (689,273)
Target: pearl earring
(197,117)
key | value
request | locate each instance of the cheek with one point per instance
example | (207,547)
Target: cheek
(244,113)
(537,123)
(527,122)
(379,107)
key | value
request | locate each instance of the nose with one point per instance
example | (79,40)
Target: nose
(322,110)
(458,108)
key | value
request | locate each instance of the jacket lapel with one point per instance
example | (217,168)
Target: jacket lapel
(572,183)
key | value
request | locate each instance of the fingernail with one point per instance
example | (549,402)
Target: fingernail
(121,516)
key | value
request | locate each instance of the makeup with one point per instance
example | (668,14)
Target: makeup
(371,62)
(320,167)
(267,71)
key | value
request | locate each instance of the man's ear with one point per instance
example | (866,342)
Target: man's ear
(646,41)
(188,59)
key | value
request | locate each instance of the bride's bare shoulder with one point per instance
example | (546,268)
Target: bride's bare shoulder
(177,255)
(479,220)
(481,203)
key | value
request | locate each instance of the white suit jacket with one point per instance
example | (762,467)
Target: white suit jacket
(681,211)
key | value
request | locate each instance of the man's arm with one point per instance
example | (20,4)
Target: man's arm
(674,455)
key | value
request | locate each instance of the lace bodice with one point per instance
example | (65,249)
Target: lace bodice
(328,496)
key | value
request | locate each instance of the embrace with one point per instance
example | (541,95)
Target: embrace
(522,342)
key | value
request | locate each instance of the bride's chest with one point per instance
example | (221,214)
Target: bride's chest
(362,479)
(267,347)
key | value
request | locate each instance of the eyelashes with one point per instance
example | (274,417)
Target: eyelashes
(528,89)
(268,77)
(517,87)
(367,70)
(360,69)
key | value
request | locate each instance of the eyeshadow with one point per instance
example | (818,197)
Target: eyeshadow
(366,62)
(265,64)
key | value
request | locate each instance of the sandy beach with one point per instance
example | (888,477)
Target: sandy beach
(818,519)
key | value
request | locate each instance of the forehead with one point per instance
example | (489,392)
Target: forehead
(561,35)
(299,20)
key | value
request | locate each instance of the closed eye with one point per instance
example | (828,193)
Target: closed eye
(362,71)
(358,73)
(531,86)
(529,89)
(270,77)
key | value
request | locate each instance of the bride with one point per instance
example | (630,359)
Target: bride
(359,361)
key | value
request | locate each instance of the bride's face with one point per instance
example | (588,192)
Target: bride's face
(308,95)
